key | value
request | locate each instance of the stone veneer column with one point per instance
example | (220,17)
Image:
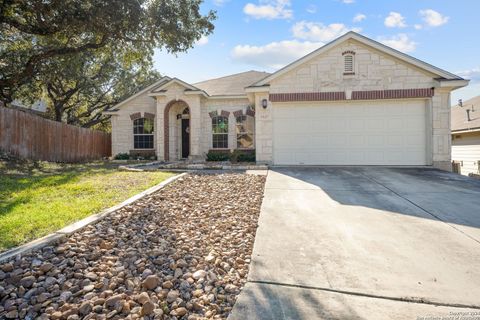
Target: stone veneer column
(441,135)
(195,127)
(263,130)
(160,125)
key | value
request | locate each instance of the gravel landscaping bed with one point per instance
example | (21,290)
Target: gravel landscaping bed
(180,253)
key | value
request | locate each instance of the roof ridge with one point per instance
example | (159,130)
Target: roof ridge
(230,75)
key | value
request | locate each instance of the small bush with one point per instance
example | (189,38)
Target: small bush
(122,156)
(246,157)
(235,156)
(243,156)
(218,155)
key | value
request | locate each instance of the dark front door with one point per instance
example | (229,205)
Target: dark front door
(185,138)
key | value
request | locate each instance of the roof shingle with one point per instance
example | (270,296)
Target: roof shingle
(231,85)
(459,115)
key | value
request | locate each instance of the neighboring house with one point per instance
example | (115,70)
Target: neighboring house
(466,136)
(353,101)
(39,107)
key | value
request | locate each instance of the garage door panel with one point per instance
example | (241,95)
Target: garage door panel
(318,140)
(356,141)
(374,110)
(395,124)
(415,140)
(319,125)
(356,124)
(413,109)
(373,124)
(317,155)
(375,141)
(416,124)
(396,141)
(337,140)
(350,133)
(339,125)
(283,113)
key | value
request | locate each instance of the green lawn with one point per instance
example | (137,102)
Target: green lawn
(39,198)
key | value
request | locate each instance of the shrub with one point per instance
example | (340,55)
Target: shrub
(122,156)
(218,155)
(243,156)
(246,157)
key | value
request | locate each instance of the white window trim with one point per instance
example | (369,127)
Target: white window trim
(143,134)
(221,133)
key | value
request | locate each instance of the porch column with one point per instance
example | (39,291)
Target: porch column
(195,127)
(160,127)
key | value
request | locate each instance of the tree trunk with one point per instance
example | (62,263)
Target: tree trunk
(58,112)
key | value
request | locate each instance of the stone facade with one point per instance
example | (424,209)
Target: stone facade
(440,124)
(264,129)
(122,124)
(378,74)
(200,121)
(374,71)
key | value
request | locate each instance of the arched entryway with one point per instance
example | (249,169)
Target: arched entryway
(177,135)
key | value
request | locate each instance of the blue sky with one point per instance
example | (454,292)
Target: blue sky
(267,34)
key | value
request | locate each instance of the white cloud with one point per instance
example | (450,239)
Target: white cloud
(348,1)
(400,42)
(359,17)
(395,20)
(269,9)
(433,18)
(202,41)
(220,3)
(275,54)
(472,74)
(316,31)
(312,8)
(418,26)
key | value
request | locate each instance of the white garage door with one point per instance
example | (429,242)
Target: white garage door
(349,133)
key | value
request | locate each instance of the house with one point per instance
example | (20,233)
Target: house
(353,101)
(465,126)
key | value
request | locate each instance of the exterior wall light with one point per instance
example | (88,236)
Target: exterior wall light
(264,103)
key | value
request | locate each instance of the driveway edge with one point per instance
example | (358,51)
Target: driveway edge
(77,226)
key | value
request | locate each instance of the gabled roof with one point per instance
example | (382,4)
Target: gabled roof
(232,84)
(459,116)
(369,42)
(177,81)
(150,87)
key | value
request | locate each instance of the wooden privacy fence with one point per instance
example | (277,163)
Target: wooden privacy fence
(31,137)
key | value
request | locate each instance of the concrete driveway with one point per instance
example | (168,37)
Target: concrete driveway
(365,243)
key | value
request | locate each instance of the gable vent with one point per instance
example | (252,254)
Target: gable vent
(348,66)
